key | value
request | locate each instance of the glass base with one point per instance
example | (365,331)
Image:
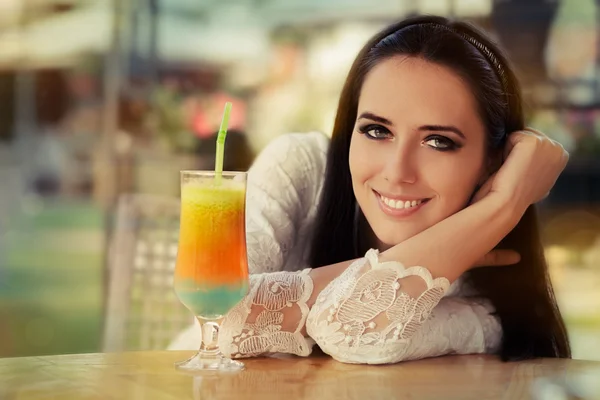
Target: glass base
(209,362)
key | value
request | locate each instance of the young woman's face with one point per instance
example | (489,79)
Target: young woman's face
(418,149)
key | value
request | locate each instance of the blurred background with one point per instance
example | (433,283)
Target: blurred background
(100,99)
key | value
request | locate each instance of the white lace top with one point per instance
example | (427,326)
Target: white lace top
(363,316)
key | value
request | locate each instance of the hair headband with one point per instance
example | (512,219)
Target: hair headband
(483,49)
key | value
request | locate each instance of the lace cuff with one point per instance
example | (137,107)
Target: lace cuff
(490,325)
(270,318)
(366,315)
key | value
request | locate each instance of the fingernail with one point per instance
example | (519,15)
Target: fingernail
(516,257)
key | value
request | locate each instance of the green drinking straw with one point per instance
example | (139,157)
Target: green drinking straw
(221,143)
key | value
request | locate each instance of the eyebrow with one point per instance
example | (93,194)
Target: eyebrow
(376,118)
(442,128)
(431,128)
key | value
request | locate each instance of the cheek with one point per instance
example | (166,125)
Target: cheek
(361,168)
(455,180)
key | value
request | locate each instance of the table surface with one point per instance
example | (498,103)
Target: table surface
(151,375)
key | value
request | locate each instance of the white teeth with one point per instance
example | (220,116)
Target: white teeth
(399,204)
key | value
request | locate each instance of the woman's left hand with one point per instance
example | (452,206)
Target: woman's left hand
(532,164)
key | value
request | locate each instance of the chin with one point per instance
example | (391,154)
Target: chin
(390,238)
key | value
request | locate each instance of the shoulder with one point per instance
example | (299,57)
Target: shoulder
(312,144)
(314,140)
(316,143)
(298,155)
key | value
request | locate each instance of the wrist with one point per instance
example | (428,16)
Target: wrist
(497,216)
(321,277)
(509,208)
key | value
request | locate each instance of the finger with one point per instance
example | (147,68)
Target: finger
(535,132)
(516,137)
(497,258)
(511,142)
(543,136)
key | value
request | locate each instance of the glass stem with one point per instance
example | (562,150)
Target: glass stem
(209,348)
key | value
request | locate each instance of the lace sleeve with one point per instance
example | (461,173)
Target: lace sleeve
(283,186)
(490,325)
(456,326)
(270,318)
(366,316)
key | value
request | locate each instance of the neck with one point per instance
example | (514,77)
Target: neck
(367,238)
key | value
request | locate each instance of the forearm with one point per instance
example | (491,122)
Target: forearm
(455,243)
(446,249)
(450,247)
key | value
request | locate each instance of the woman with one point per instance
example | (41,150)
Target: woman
(367,245)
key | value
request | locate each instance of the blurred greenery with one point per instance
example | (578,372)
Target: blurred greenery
(51,296)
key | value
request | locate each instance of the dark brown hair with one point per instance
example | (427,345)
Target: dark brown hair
(522,294)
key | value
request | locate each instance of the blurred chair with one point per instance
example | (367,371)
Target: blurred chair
(142,310)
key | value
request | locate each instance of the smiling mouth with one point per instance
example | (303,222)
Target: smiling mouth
(398,206)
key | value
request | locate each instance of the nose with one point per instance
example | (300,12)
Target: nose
(401,164)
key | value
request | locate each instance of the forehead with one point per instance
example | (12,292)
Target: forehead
(409,90)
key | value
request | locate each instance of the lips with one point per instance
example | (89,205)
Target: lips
(399,206)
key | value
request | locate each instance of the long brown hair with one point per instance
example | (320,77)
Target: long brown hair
(522,294)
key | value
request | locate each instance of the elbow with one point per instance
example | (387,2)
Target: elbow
(388,352)
(369,356)
(347,345)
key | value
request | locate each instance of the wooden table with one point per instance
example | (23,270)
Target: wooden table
(151,375)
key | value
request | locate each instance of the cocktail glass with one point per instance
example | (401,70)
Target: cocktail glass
(211,274)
